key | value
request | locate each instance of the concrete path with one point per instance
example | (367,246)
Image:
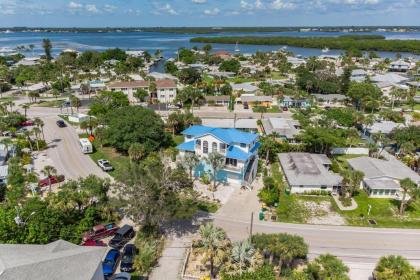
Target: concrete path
(353,205)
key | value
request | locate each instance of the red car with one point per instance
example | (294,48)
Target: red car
(27,123)
(93,243)
(54,180)
(100,231)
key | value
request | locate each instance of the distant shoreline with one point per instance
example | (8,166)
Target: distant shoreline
(215,30)
(359,42)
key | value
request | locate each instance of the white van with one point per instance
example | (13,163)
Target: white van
(86,146)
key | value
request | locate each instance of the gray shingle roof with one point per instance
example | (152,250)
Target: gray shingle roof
(305,169)
(374,168)
(59,260)
(282,126)
(382,184)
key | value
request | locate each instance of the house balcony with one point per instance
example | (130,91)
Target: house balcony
(232,168)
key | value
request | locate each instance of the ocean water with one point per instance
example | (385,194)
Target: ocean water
(169,43)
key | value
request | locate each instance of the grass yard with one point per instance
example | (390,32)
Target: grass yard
(178,139)
(117,160)
(50,103)
(277,76)
(274,109)
(383,211)
(8,98)
(239,80)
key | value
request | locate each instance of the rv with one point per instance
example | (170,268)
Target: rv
(86,146)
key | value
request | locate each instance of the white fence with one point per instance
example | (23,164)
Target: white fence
(350,151)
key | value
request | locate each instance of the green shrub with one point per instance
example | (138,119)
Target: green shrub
(150,247)
(269,196)
(317,192)
(269,182)
(266,272)
(205,179)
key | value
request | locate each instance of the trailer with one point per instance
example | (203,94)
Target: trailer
(86,146)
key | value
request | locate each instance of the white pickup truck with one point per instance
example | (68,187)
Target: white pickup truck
(105,165)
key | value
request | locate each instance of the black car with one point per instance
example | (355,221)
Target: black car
(61,123)
(122,236)
(127,261)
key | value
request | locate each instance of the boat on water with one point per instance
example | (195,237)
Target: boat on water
(284,47)
(325,50)
(237,49)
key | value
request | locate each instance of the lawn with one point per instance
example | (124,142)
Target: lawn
(239,80)
(50,103)
(178,139)
(277,76)
(416,107)
(383,211)
(274,109)
(117,160)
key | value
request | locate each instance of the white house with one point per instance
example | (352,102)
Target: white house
(239,148)
(165,89)
(307,172)
(381,177)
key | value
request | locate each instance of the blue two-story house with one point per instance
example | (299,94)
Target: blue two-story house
(239,148)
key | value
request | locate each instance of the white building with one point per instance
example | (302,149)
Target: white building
(165,89)
(305,172)
(239,148)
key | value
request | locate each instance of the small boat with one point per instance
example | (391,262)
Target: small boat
(284,47)
(237,48)
(325,50)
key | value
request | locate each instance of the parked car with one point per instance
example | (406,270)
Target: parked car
(128,256)
(121,276)
(122,236)
(61,123)
(54,180)
(105,165)
(246,106)
(92,242)
(100,231)
(27,123)
(285,109)
(110,263)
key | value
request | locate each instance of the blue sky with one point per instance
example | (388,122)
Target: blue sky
(100,13)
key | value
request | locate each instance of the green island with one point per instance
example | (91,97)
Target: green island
(346,42)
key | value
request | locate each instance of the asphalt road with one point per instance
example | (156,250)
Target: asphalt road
(64,149)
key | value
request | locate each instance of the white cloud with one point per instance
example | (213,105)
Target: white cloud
(259,4)
(199,1)
(212,12)
(109,8)
(245,5)
(91,8)
(165,8)
(282,5)
(74,5)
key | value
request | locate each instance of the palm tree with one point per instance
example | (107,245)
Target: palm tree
(174,120)
(28,134)
(40,124)
(408,187)
(36,132)
(32,47)
(46,44)
(244,257)
(191,161)
(49,171)
(25,107)
(216,162)
(327,267)
(213,244)
(136,152)
(394,267)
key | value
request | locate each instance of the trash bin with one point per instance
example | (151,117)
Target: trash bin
(261,216)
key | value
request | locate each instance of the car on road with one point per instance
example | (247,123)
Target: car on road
(128,256)
(122,237)
(121,276)
(105,165)
(92,242)
(54,180)
(246,106)
(110,263)
(61,123)
(100,231)
(285,109)
(27,123)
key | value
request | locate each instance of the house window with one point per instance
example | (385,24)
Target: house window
(243,145)
(189,137)
(214,147)
(231,161)
(198,144)
(205,147)
(222,147)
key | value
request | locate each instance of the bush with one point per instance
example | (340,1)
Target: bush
(345,201)
(269,196)
(317,192)
(266,272)
(150,247)
(205,179)
(269,182)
